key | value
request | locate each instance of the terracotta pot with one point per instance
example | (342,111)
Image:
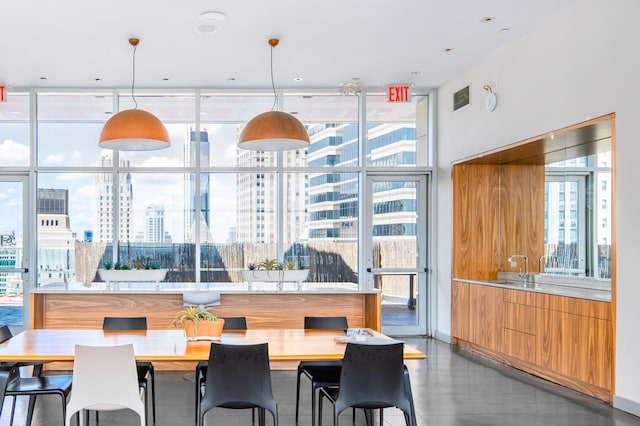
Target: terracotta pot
(206,329)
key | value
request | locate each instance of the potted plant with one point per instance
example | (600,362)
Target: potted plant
(270,270)
(199,323)
(142,272)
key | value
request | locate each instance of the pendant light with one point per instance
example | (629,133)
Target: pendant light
(134,129)
(273,130)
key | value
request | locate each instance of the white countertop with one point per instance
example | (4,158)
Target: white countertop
(581,292)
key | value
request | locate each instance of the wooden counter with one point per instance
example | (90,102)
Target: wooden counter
(86,309)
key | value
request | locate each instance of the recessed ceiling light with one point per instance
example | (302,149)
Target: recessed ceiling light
(43,78)
(487,19)
(206,29)
(504,30)
(212,16)
(293,112)
(97,79)
(231,79)
(165,79)
(448,50)
(297,79)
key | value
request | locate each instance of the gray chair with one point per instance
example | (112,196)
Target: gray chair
(16,385)
(230,324)
(321,373)
(372,377)
(238,377)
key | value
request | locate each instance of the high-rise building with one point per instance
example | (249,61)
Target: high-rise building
(105,203)
(257,218)
(324,206)
(192,218)
(154,231)
(56,240)
(333,198)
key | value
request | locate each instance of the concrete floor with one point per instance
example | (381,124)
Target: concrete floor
(450,387)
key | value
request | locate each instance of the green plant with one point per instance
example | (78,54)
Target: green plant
(193,314)
(291,264)
(108,265)
(269,265)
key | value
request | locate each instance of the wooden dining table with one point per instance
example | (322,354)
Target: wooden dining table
(286,346)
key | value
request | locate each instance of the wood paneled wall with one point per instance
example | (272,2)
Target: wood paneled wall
(475,221)
(498,211)
(262,310)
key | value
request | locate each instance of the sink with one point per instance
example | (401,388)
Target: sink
(507,282)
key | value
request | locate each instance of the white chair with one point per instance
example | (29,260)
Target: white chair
(105,378)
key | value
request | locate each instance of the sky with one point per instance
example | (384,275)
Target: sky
(75,145)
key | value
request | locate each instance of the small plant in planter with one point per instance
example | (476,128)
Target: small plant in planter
(199,322)
(269,265)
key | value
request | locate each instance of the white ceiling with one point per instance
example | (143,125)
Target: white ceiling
(72,43)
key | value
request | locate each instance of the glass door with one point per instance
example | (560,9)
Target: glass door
(397,247)
(13,252)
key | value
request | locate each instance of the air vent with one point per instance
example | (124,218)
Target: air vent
(461,98)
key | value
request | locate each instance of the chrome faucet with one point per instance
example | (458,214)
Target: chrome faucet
(524,276)
(546,257)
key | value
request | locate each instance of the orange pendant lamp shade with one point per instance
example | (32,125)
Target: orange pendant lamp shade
(134,130)
(273,131)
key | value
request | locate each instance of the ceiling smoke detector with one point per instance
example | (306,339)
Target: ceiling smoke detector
(350,89)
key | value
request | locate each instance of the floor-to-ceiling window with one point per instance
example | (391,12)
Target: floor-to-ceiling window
(204,209)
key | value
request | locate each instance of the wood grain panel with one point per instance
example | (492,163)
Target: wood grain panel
(571,382)
(263,310)
(486,316)
(572,305)
(475,221)
(520,317)
(575,346)
(520,297)
(289,310)
(520,345)
(460,323)
(521,215)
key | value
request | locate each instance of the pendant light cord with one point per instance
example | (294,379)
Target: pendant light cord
(133,77)
(273,86)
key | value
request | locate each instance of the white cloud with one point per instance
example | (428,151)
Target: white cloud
(157,161)
(13,153)
(53,159)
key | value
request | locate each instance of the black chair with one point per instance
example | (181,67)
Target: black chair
(230,324)
(146,372)
(321,373)
(372,377)
(238,377)
(31,386)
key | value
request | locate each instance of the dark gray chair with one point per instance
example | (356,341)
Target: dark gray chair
(230,324)
(146,372)
(321,373)
(372,377)
(15,385)
(238,377)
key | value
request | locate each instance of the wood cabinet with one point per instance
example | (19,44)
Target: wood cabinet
(486,316)
(563,339)
(460,322)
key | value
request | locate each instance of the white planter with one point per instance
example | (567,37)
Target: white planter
(132,275)
(287,275)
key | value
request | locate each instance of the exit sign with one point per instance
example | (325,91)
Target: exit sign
(398,93)
(3,93)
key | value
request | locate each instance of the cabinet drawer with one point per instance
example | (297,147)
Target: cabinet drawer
(520,318)
(520,345)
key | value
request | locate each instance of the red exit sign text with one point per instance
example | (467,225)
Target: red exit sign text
(398,93)
(3,93)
